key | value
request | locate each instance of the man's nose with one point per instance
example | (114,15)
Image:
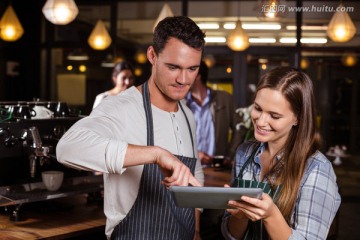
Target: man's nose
(182,77)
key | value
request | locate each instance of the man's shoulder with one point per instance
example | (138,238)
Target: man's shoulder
(221,93)
(126,98)
(130,93)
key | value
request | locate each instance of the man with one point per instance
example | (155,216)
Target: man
(215,119)
(132,138)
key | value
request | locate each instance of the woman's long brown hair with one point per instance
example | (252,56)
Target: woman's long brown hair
(303,139)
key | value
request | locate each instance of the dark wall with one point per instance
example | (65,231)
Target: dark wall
(24,53)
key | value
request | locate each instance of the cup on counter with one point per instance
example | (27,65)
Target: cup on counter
(218,161)
(52,179)
(42,112)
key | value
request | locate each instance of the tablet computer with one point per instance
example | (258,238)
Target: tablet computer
(210,197)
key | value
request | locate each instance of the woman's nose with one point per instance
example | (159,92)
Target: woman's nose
(262,119)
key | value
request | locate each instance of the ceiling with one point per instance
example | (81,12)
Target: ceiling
(135,19)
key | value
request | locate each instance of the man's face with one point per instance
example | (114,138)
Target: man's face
(175,69)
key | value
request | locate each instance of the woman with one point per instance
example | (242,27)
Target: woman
(300,196)
(123,78)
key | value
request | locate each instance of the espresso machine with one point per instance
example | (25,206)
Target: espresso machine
(27,148)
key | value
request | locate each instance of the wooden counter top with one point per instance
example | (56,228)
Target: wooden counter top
(216,177)
(54,219)
(71,217)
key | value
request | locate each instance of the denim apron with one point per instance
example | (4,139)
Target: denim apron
(255,230)
(154,214)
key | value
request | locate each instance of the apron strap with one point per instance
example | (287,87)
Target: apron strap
(148,113)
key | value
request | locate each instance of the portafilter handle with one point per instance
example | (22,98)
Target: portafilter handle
(37,143)
(39,150)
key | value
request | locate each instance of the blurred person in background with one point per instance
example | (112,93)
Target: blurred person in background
(215,119)
(122,77)
(215,128)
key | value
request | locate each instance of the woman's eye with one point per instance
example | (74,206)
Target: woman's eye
(275,117)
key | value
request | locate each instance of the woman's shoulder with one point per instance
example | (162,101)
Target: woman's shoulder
(247,147)
(319,163)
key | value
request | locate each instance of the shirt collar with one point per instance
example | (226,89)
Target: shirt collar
(261,149)
(190,99)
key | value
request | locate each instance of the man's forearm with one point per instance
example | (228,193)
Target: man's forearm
(139,155)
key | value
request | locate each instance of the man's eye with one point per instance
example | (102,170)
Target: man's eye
(172,67)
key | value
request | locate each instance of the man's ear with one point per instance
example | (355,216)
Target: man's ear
(151,55)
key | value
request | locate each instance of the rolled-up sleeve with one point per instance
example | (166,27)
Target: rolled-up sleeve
(91,149)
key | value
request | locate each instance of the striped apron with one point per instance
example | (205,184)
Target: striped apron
(255,230)
(154,214)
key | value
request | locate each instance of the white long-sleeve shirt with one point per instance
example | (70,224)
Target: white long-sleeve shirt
(99,142)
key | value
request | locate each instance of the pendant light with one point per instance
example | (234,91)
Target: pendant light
(60,12)
(165,12)
(99,38)
(10,26)
(341,28)
(271,8)
(238,40)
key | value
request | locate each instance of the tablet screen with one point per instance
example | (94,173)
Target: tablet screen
(210,197)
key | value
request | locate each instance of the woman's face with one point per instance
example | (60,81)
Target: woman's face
(125,79)
(272,117)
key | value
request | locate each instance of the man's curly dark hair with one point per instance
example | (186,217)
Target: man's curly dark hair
(179,27)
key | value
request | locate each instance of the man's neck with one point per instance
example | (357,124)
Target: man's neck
(161,101)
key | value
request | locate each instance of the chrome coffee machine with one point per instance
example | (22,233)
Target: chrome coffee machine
(27,148)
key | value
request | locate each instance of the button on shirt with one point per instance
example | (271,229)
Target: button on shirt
(205,130)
